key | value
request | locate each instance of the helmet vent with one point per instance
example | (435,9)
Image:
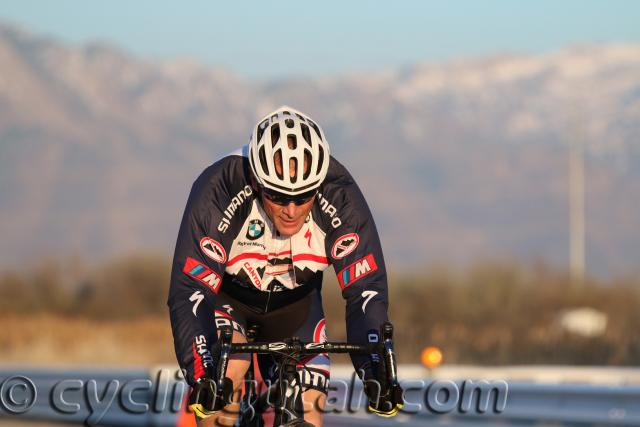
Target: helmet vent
(261,127)
(294,163)
(277,157)
(263,160)
(292,141)
(275,134)
(305,133)
(307,164)
(320,159)
(289,123)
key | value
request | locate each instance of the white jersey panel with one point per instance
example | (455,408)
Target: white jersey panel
(269,260)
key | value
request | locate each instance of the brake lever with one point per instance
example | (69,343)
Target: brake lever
(386,332)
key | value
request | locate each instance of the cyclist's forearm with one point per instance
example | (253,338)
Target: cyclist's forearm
(193,327)
(364,327)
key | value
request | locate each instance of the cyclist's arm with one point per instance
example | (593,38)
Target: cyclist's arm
(196,277)
(361,272)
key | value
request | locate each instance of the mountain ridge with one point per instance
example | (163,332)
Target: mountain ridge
(459,160)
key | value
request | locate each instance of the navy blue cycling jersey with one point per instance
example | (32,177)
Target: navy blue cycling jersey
(227,244)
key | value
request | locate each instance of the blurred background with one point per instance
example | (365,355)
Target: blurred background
(497,143)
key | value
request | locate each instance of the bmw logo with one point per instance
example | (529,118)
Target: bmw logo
(255,230)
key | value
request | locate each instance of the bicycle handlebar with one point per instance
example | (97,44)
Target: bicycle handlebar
(384,349)
(294,346)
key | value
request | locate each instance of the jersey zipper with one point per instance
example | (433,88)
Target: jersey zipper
(272,283)
(270,288)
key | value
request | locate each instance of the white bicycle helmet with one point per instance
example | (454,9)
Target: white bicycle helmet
(287,139)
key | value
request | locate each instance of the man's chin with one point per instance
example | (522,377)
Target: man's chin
(288,230)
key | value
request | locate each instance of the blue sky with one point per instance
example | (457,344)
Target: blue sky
(277,39)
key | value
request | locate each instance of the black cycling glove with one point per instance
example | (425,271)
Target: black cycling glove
(384,399)
(206,399)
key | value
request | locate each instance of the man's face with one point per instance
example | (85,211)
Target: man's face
(288,219)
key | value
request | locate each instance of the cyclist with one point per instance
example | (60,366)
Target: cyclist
(259,228)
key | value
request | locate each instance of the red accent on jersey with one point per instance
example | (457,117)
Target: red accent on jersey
(246,255)
(307,236)
(277,254)
(254,255)
(223,314)
(311,257)
(317,331)
(198,369)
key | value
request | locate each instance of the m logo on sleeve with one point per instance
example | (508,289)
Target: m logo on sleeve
(357,271)
(202,274)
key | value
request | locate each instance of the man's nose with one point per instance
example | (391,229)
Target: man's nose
(290,209)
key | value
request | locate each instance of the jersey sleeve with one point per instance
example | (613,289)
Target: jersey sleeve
(356,254)
(196,276)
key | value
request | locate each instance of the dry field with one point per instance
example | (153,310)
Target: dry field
(494,313)
(47,339)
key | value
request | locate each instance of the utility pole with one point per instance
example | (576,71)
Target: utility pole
(577,206)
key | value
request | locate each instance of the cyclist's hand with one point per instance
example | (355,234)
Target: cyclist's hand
(206,399)
(384,404)
(384,399)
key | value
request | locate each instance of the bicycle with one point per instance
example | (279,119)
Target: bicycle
(285,395)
